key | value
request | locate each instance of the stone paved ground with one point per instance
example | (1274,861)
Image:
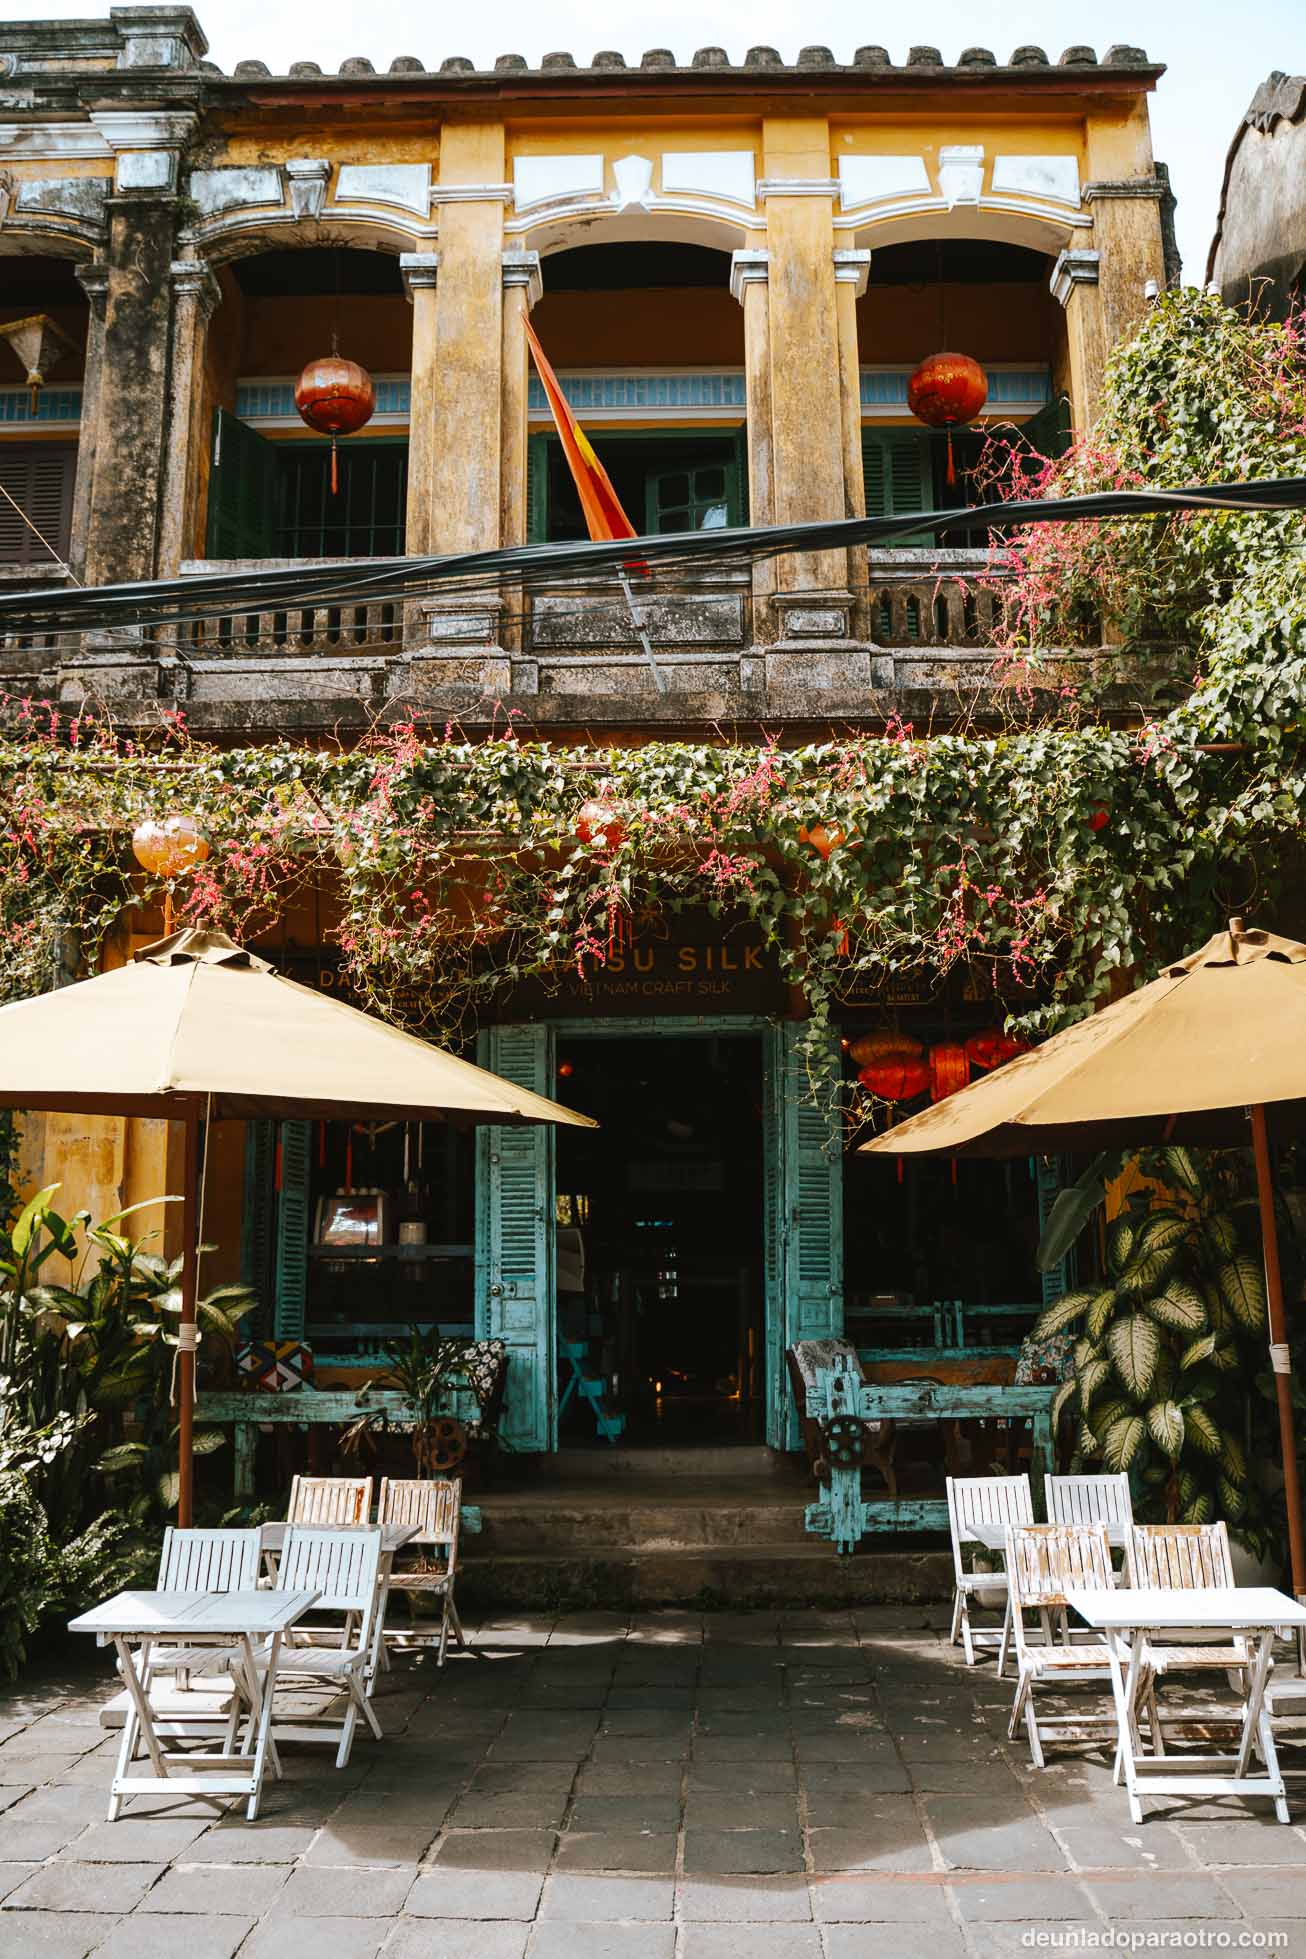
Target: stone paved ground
(805,1786)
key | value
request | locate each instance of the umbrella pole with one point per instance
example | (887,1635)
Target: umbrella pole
(1279,1347)
(186,1328)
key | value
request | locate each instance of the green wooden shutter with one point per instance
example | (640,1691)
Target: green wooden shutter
(739,508)
(1050,1173)
(256,1237)
(292,1231)
(242,491)
(803,1236)
(537,489)
(515,1297)
(896,472)
(1049,433)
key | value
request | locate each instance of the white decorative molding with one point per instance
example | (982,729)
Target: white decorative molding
(243,187)
(727,174)
(146,170)
(55,140)
(1153,189)
(406,186)
(522,270)
(870,179)
(852,269)
(144,129)
(751,268)
(307,178)
(419,271)
(1073,268)
(1053,177)
(82,198)
(471,194)
(797,187)
(961,173)
(542,179)
(633,177)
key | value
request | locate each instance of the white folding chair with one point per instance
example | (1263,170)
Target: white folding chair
(983,1500)
(326,1500)
(1044,1562)
(435,1506)
(1089,1500)
(1185,1558)
(344,1567)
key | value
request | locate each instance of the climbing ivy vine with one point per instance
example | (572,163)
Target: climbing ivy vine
(1109,809)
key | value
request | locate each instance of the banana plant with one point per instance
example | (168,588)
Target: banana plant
(1166,1342)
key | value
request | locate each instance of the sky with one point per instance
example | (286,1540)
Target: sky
(1216,54)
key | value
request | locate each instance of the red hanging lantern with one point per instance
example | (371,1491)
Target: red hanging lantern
(896,1081)
(1099,817)
(599,823)
(985,1050)
(949,1069)
(825,838)
(884,1045)
(946,391)
(335,397)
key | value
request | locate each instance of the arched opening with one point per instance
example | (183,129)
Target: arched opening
(649,346)
(39,438)
(964,295)
(268,487)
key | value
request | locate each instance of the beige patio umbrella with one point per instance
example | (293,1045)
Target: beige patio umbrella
(196,1028)
(1212,1052)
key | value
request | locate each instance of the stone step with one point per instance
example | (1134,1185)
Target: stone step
(602,1464)
(809,1574)
(570,1525)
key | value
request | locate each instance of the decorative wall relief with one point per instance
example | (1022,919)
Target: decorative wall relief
(633,177)
(870,179)
(961,173)
(544,179)
(405,185)
(727,174)
(238,188)
(1053,177)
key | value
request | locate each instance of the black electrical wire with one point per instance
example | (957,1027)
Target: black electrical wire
(213,595)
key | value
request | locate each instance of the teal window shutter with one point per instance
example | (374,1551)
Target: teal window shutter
(256,1241)
(739,513)
(242,520)
(515,1298)
(537,489)
(896,472)
(1051,1173)
(1049,433)
(292,1231)
(803,1235)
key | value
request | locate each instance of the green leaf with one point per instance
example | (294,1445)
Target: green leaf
(1122,1441)
(1233,1501)
(1232,1460)
(1199,1511)
(1179,1306)
(29,1217)
(169,1489)
(1071,1210)
(1119,1245)
(1062,1397)
(1202,1430)
(1226,1357)
(207,1441)
(1099,1313)
(144,1205)
(1242,1288)
(1061,1313)
(124,1455)
(1134,1345)
(1165,1425)
(1197,1351)
(1148,1269)
(1091,1376)
(1183,1169)
(1221,1234)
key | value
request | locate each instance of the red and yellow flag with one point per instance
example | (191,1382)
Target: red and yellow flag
(604,516)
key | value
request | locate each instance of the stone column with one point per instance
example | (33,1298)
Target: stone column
(522,286)
(851,271)
(122,530)
(1074,285)
(748,281)
(94,281)
(195,294)
(812,596)
(466,383)
(420,275)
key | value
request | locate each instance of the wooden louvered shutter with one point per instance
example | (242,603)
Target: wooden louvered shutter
(292,1231)
(537,489)
(1051,1173)
(896,472)
(39,476)
(515,1240)
(1049,433)
(739,501)
(803,1237)
(242,520)
(256,1242)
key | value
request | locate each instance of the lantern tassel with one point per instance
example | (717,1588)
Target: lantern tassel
(952,467)
(335,474)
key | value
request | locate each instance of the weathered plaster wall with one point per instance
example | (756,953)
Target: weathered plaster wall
(663,327)
(1261,251)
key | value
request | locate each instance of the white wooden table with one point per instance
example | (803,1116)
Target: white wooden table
(1128,1619)
(272,1537)
(135,1622)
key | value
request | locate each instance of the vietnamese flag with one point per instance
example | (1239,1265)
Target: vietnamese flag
(604,515)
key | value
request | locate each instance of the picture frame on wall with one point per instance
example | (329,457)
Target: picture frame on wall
(352,1220)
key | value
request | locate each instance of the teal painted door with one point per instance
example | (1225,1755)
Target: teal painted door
(515,1298)
(291,1264)
(803,1230)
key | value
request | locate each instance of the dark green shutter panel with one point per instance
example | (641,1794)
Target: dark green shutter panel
(1049,433)
(739,505)
(292,1231)
(256,1247)
(896,472)
(242,491)
(1051,1173)
(537,489)
(803,1233)
(515,1239)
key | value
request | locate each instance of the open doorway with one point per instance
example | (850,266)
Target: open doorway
(660,1229)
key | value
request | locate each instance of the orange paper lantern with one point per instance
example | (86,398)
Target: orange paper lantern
(171,847)
(599,823)
(335,397)
(949,1069)
(884,1045)
(825,838)
(945,391)
(896,1081)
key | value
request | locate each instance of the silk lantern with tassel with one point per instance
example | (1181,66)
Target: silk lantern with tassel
(945,392)
(335,397)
